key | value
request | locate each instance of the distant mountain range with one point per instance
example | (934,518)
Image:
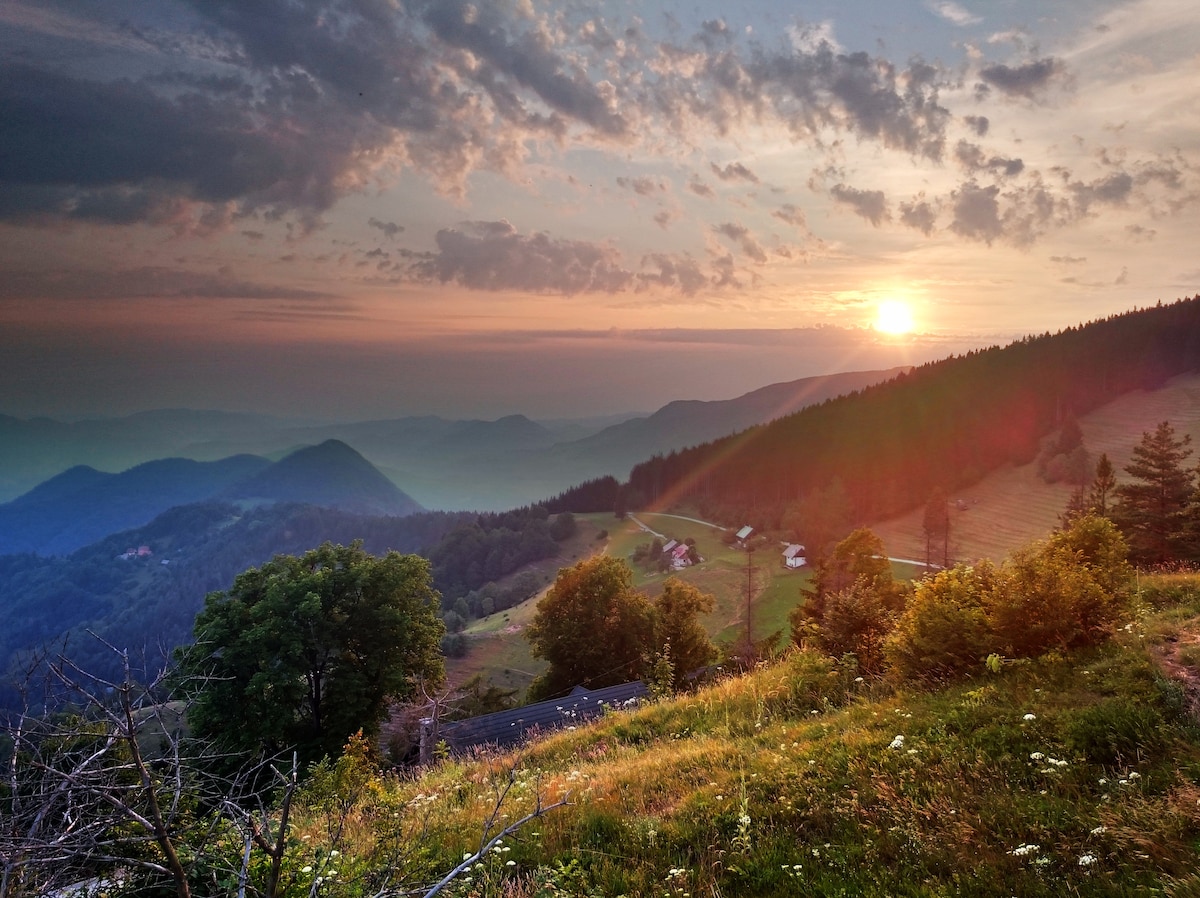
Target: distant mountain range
(445,464)
(82,505)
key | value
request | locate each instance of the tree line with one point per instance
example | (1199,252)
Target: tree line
(945,424)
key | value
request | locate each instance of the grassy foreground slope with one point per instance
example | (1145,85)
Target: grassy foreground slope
(1013,505)
(1075,775)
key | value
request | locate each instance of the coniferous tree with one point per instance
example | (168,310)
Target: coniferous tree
(1152,508)
(936,526)
(1103,486)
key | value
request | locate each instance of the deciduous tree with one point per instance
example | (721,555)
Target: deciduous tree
(678,629)
(592,626)
(304,651)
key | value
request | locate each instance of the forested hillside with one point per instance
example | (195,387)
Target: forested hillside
(945,424)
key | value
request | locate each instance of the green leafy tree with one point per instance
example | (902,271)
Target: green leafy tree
(944,630)
(305,651)
(1152,508)
(592,626)
(1065,592)
(678,630)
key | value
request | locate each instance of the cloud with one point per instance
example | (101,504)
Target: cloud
(672,272)
(856,92)
(953,12)
(157,282)
(698,187)
(642,186)
(791,214)
(389,228)
(870,204)
(734,171)
(741,235)
(973,159)
(1068,260)
(977,212)
(919,214)
(1024,80)
(978,123)
(492,255)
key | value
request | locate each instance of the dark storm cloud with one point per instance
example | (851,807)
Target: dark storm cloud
(870,204)
(117,152)
(494,256)
(1022,80)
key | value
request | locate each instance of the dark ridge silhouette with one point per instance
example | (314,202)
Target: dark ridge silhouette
(331,474)
(82,505)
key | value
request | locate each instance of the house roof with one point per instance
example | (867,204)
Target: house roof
(793,550)
(505,728)
(669,547)
(745,531)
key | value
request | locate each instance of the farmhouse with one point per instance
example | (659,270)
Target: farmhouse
(793,556)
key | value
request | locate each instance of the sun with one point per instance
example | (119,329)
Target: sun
(893,317)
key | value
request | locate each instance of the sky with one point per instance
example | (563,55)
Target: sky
(345,209)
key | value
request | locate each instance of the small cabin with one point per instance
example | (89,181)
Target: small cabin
(745,533)
(794,556)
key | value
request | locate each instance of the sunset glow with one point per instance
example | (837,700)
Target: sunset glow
(894,317)
(456,224)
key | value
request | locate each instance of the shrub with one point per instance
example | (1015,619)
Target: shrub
(944,630)
(855,621)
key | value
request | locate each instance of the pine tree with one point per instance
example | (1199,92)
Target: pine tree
(1152,509)
(936,526)
(1103,486)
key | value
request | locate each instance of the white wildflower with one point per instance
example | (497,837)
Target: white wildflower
(1099,830)
(1087,860)
(897,743)
(1024,850)
(1037,756)
(1029,717)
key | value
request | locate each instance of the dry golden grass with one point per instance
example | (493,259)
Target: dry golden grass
(1012,506)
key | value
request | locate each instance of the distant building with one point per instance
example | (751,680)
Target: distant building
(793,556)
(681,557)
(671,546)
(745,533)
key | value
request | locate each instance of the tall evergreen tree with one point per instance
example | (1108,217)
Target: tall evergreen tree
(1152,508)
(936,525)
(1103,487)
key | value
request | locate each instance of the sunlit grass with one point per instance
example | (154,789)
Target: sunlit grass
(1073,775)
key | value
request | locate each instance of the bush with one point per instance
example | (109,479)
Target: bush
(856,621)
(944,630)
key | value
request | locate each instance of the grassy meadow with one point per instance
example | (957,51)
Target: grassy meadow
(497,646)
(1070,774)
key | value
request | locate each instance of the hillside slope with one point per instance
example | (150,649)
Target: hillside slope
(83,505)
(332,475)
(1066,775)
(1013,505)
